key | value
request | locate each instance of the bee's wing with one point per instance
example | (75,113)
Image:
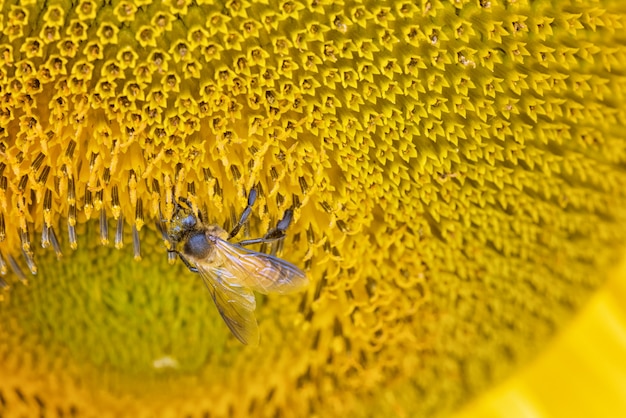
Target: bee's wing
(258,271)
(236,304)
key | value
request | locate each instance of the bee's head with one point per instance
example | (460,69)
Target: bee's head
(182,222)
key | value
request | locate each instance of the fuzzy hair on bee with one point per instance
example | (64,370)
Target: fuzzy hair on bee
(230,271)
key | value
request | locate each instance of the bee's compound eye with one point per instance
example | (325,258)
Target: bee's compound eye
(189,222)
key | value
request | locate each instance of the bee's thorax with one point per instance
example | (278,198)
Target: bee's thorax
(216,231)
(197,245)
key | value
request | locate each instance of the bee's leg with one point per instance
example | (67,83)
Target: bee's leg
(281,227)
(246,213)
(273,234)
(185,262)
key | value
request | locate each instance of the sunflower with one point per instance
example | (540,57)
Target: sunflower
(456,171)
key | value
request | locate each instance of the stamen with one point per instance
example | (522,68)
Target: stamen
(30,261)
(115,202)
(155,186)
(47,207)
(136,244)
(171,257)
(3,232)
(17,270)
(3,266)
(104,227)
(92,160)
(71,190)
(310,234)
(303,185)
(97,203)
(24,238)
(43,176)
(139,213)
(208,176)
(132,187)
(23,182)
(69,152)
(71,229)
(71,232)
(87,202)
(191,189)
(326,206)
(343,227)
(155,198)
(218,189)
(235,172)
(119,232)
(37,162)
(55,243)
(274,173)
(280,199)
(45,238)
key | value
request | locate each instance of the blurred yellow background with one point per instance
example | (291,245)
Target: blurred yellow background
(581,374)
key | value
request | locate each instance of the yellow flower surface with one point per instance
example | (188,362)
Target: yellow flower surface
(457,171)
(581,374)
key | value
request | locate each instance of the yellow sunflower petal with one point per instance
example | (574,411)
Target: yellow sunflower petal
(581,374)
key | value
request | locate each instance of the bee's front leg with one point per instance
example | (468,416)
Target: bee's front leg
(185,261)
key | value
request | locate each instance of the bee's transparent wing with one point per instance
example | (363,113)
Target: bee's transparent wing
(236,304)
(258,271)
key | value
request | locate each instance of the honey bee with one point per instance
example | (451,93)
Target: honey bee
(230,271)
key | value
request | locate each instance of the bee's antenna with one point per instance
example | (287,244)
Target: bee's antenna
(185,201)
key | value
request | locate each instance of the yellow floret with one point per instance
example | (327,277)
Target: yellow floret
(456,170)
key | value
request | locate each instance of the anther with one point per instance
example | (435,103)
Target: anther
(23,182)
(16,269)
(3,266)
(119,232)
(45,236)
(171,257)
(136,244)
(30,261)
(104,227)
(37,162)
(24,239)
(310,234)
(47,207)
(303,185)
(69,152)
(115,202)
(3,233)
(43,176)
(71,232)
(87,203)
(55,242)
(71,190)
